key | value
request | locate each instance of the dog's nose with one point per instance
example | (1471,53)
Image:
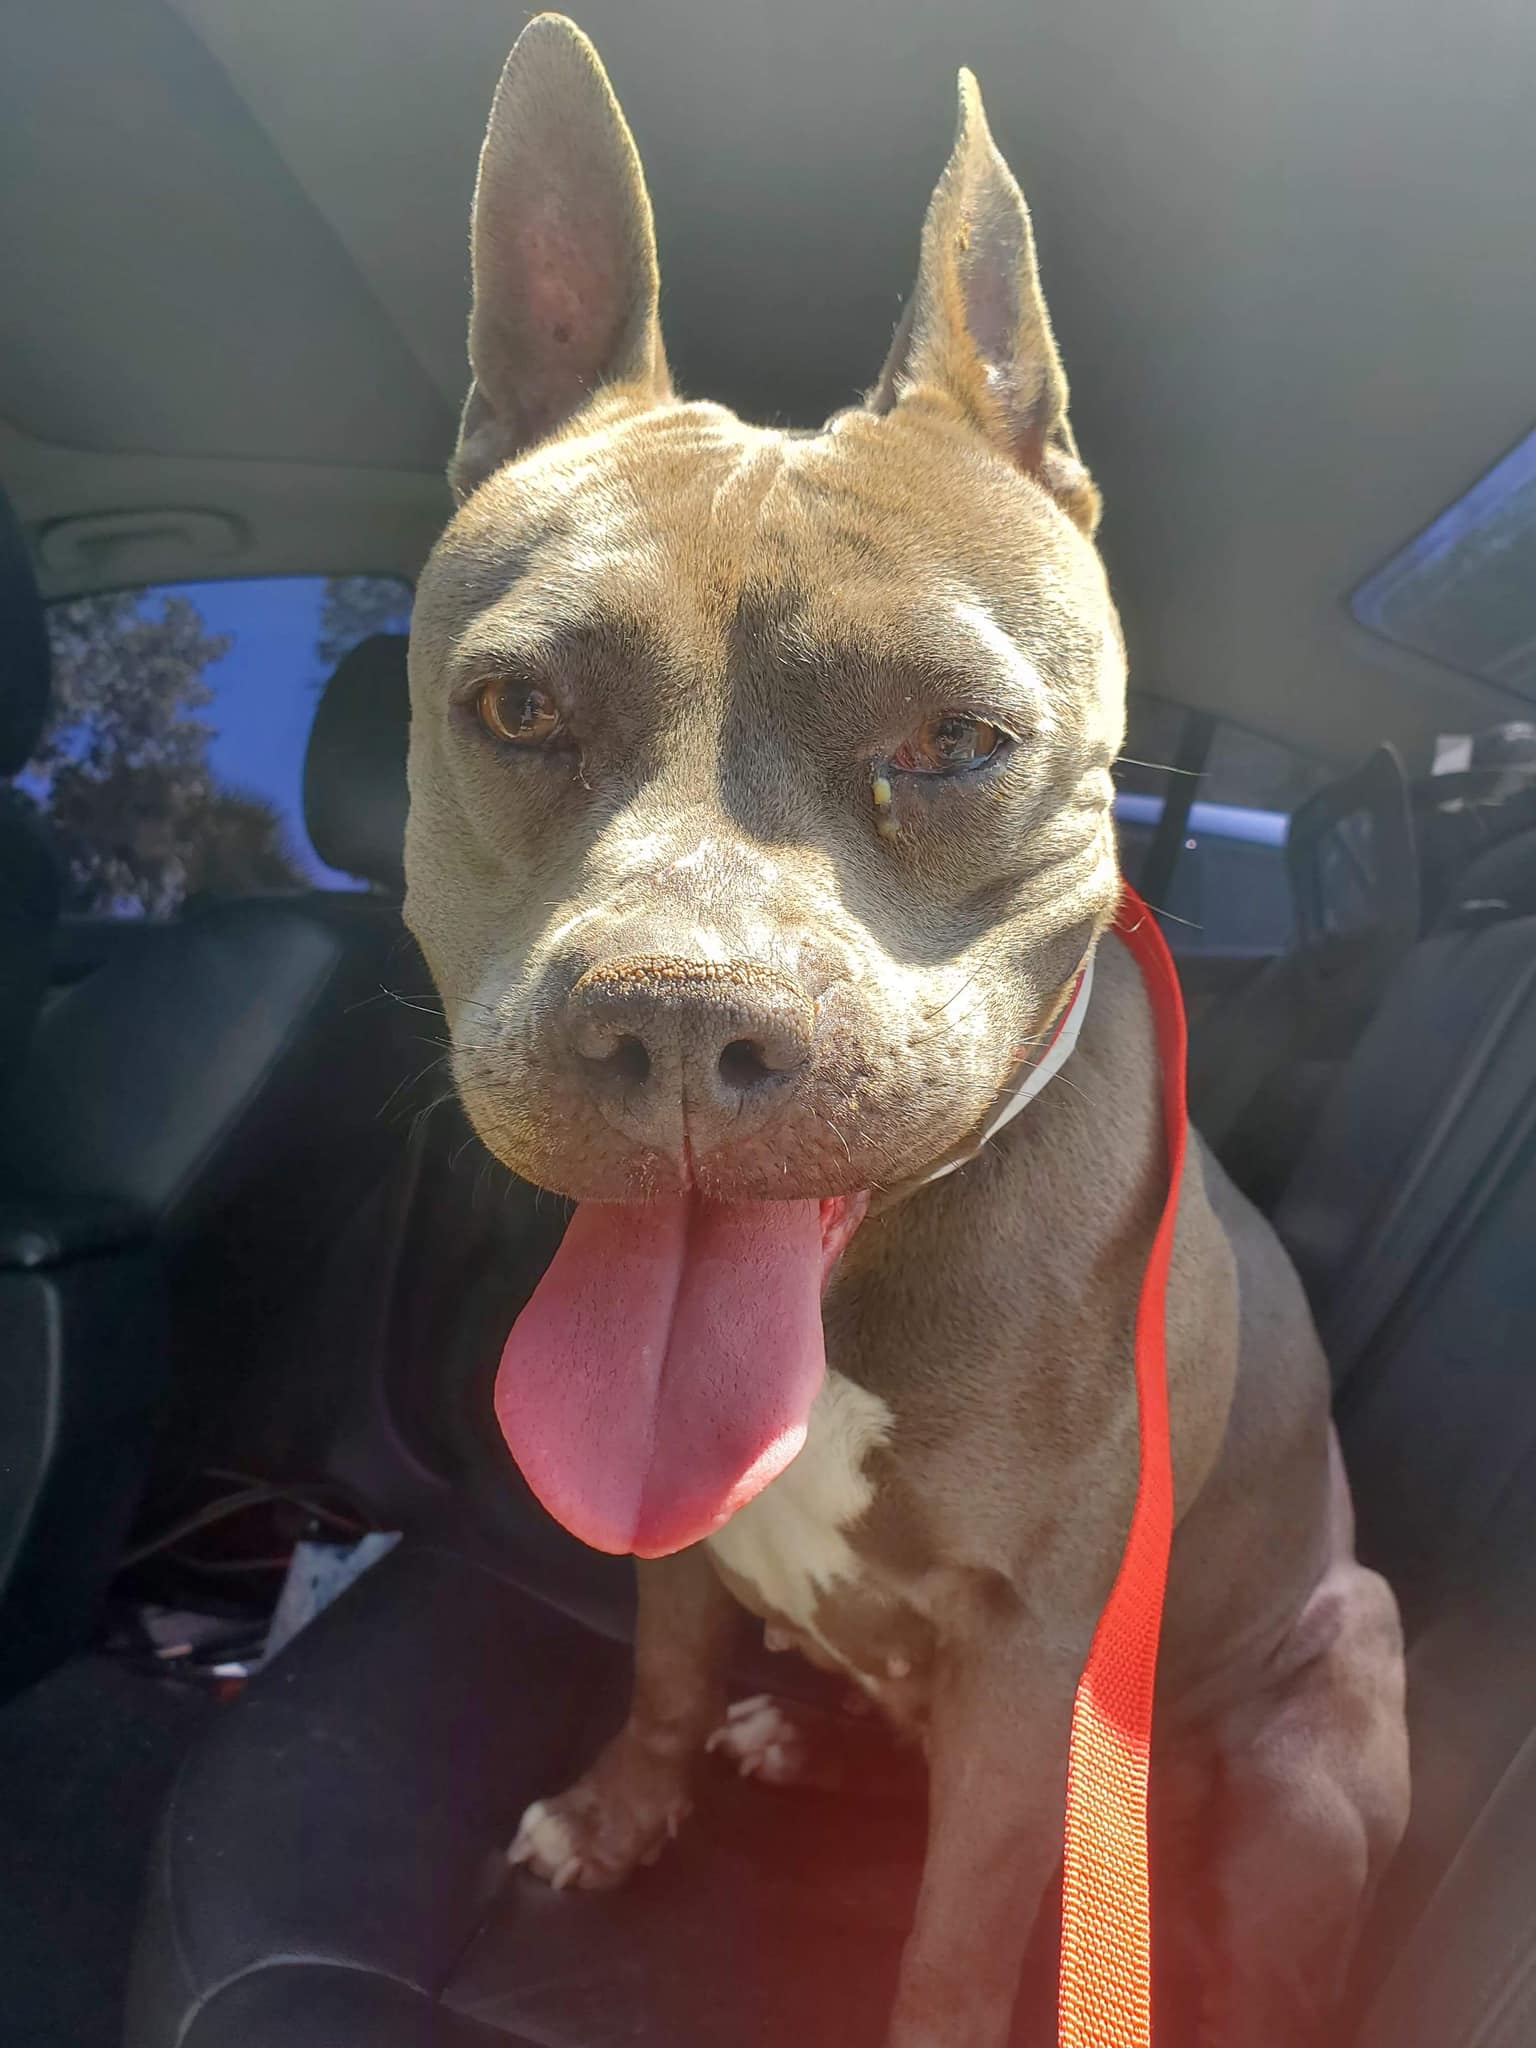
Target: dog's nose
(670,1045)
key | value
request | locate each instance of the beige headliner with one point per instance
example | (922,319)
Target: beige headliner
(1290,250)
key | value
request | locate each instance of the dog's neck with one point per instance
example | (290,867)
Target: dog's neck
(1028,1079)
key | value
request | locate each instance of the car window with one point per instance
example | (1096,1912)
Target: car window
(1464,591)
(1228,890)
(173,762)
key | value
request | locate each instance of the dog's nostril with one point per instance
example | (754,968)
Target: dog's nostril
(743,1065)
(630,1059)
(626,1057)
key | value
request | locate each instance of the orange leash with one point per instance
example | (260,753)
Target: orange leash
(1106,1914)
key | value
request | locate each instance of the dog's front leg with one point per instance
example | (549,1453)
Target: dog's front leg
(1314,1801)
(625,1809)
(1000,1726)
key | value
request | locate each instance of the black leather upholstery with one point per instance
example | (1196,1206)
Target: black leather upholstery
(331,1858)
(36,1233)
(211,1006)
(1412,1219)
(1501,880)
(25,665)
(250,1030)
(29,879)
(83,1358)
(355,796)
(215,1098)
(29,912)
(338,1850)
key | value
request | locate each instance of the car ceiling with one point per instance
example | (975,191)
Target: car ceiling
(1289,253)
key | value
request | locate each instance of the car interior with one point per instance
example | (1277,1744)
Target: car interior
(255,1267)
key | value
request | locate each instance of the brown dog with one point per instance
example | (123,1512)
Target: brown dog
(760,827)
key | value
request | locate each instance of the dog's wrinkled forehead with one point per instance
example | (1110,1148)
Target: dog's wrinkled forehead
(704,551)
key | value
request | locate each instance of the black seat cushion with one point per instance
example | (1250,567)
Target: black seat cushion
(26,667)
(351,1816)
(225,1096)
(29,912)
(1501,880)
(29,876)
(1412,1219)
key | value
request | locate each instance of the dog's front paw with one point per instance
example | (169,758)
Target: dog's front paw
(776,1742)
(605,1826)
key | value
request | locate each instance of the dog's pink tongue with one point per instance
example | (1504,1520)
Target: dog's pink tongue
(663,1371)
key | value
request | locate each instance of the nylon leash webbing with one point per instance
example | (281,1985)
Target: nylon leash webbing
(1106,1915)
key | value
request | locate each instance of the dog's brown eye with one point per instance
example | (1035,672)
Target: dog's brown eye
(515,712)
(948,745)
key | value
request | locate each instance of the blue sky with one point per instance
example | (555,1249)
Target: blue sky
(265,692)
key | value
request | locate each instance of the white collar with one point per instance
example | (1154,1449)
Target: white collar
(1050,1063)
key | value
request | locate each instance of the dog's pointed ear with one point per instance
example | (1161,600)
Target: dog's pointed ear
(976,327)
(563,252)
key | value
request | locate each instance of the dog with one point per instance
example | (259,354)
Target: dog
(760,838)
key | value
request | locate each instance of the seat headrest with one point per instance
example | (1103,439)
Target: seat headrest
(25,662)
(1504,876)
(355,795)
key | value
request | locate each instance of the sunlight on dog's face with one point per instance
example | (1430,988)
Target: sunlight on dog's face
(842,708)
(802,742)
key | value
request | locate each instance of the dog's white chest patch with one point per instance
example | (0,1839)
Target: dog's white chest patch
(790,1544)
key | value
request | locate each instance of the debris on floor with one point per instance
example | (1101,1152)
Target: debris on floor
(242,1566)
(320,1573)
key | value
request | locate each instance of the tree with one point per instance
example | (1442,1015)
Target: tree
(123,768)
(239,848)
(352,608)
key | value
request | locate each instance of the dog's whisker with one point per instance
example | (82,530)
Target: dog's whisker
(832,1127)
(1173,917)
(393,995)
(409,1082)
(981,966)
(1162,767)
(428,1109)
(459,1150)
(1060,1075)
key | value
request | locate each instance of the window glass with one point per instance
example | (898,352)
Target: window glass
(173,762)
(1230,890)
(1464,591)
(1258,772)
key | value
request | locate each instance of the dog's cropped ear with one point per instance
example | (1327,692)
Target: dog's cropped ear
(976,325)
(563,252)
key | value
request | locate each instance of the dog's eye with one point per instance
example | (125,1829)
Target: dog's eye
(515,712)
(948,745)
